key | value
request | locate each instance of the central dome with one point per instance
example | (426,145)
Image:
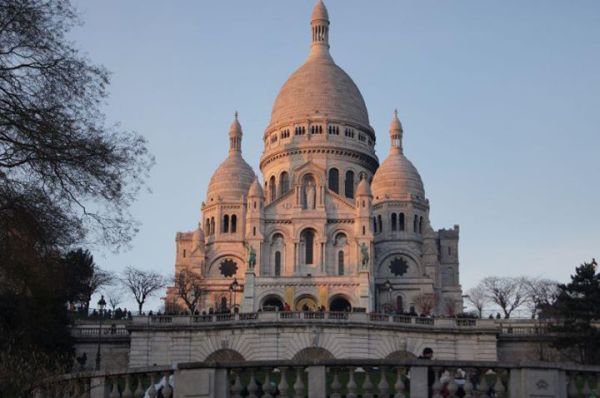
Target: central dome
(319,88)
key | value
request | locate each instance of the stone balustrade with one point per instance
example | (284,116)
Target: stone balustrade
(334,378)
(291,316)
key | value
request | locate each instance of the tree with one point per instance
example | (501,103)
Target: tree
(57,154)
(425,303)
(541,294)
(115,296)
(85,277)
(506,292)
(65,177)
(478,298)
(577,308)
(142,284)
(188,286)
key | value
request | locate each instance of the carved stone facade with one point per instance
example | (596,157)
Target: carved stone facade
(328,226)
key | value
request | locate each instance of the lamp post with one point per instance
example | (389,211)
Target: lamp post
(232,289)
(101,306)
(388,286)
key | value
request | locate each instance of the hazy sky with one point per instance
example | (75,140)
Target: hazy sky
(500,103)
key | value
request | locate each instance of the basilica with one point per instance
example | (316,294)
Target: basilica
(326,226)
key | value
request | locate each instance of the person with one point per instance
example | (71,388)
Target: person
(427,353)
(286,307)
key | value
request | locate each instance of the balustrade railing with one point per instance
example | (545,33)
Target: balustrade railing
(335,378)
(317,316)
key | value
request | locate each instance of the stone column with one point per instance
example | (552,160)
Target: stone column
(248,303)
(317,386)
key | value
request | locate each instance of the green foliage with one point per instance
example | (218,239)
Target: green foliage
(577,308)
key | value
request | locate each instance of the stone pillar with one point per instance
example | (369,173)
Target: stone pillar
(529,383)
(201,383)
(317,378)
(419,385)
(98,387)
(248,303)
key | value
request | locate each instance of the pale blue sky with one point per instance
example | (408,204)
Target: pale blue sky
(500,102)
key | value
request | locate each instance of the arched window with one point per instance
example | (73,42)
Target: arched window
(399,305)
(421,225)
(415,222)
(364,230)
(401,221)
(272,188)
(334,180)
(212,225)
(284,183)
(233,223)
(308,236)
(277,263)
(225,226)
(207,226)
(223,304)
(374,225)
(349,184)
(394,222)
(340,262)
(379,224)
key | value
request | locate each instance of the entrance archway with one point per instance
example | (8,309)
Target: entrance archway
(225,355)
(272,303)
(306,303)
(339,303)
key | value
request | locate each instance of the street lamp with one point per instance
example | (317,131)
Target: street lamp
(232,289)
(101,306)
(388,286)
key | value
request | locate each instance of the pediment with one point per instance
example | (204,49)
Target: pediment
(336,204)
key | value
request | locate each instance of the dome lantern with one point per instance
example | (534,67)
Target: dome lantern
(235,136)
(396,134)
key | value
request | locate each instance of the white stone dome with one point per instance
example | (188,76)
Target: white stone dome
(397,178)
(320,88)
(231,180)
(233,177)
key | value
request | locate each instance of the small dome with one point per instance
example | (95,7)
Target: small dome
(397,178)
(255,189)
(236,127)
(320,12)
(364,188)
(231,180)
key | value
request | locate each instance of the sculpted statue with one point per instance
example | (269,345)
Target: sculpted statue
(251,256)
(310,195)
(364,251)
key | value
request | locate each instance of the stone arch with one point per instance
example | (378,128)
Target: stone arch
(401,355)
(307,300)
(272,300)
(340,302)
(313,354)
(225,355)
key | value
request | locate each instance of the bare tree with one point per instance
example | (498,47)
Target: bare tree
(142,284)
(478,298)
(425,303)
(115,297)
(508,293)
(188,285)
(541,294)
